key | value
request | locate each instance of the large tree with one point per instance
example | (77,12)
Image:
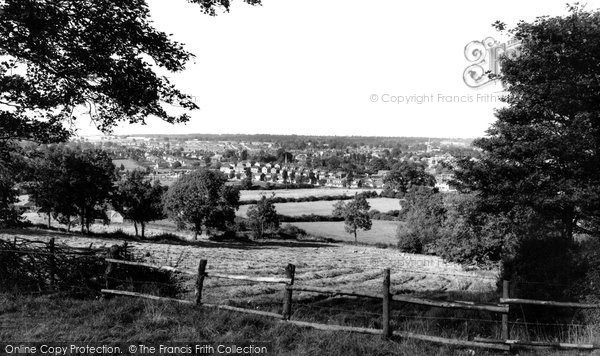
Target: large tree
(200,200)
(61,56)
(543,152)
(405,175)
(139,199)
(74,181)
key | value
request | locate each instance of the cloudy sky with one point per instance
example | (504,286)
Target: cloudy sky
(333,67)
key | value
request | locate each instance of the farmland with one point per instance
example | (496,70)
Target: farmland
(301,193)
(323,207)
(317,264)
(382,232)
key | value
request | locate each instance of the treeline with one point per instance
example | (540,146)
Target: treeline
(392,215)
(276,199)
(78,185)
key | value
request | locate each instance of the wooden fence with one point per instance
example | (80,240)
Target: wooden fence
(503,307)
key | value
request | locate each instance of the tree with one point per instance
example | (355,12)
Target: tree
(139,200)
(201,199)
(8,197)
(263,216)
(74,181)
(423,220)
(405,175)
(104,56)
(246,183)
(542,152)
(284,176)
(244,155)
(355,214)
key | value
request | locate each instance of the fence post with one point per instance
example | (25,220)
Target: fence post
(505,294)
(385,318)
(113,253)
(200,281)
(52,262)
(290,272)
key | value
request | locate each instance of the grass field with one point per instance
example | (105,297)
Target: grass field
(382,232)
(301,193)
(322,207)
(317,264)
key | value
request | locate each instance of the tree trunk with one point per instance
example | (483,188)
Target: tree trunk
(355,240)
(82,218)
(68,223)
(49,226)
(136,229)
(143,229)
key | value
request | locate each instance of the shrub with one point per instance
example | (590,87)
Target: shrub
(408,241)
(291,231)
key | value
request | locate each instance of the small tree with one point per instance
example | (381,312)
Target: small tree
(355,213)
(202,199)
(263,216)
(137,199)
(246,183)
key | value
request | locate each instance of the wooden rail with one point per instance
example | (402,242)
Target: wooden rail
(548,303)
(453,342)
(538,344)
(140,264)
(450,304)
(386,332)
(145,296)
(333,292)
(248,278)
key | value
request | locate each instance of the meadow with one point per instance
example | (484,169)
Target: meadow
(318,264)
(323,207)
(382,232)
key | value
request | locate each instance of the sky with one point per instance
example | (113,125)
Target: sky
(336,67)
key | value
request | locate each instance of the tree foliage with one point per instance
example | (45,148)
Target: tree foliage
(201,199)
(355,214)
(138,199)
(543,152)
(263,216)
(404,176)
(423,220)
(103,57)
(73,181)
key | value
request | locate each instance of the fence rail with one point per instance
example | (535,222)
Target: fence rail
(386,331)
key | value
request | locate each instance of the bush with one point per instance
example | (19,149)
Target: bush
(408,241)
(291,231)
(424,219)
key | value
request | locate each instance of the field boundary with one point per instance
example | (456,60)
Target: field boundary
(386,332)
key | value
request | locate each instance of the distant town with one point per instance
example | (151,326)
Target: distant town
(270,161)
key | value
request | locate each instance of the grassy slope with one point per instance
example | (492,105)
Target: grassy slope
(133,320)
